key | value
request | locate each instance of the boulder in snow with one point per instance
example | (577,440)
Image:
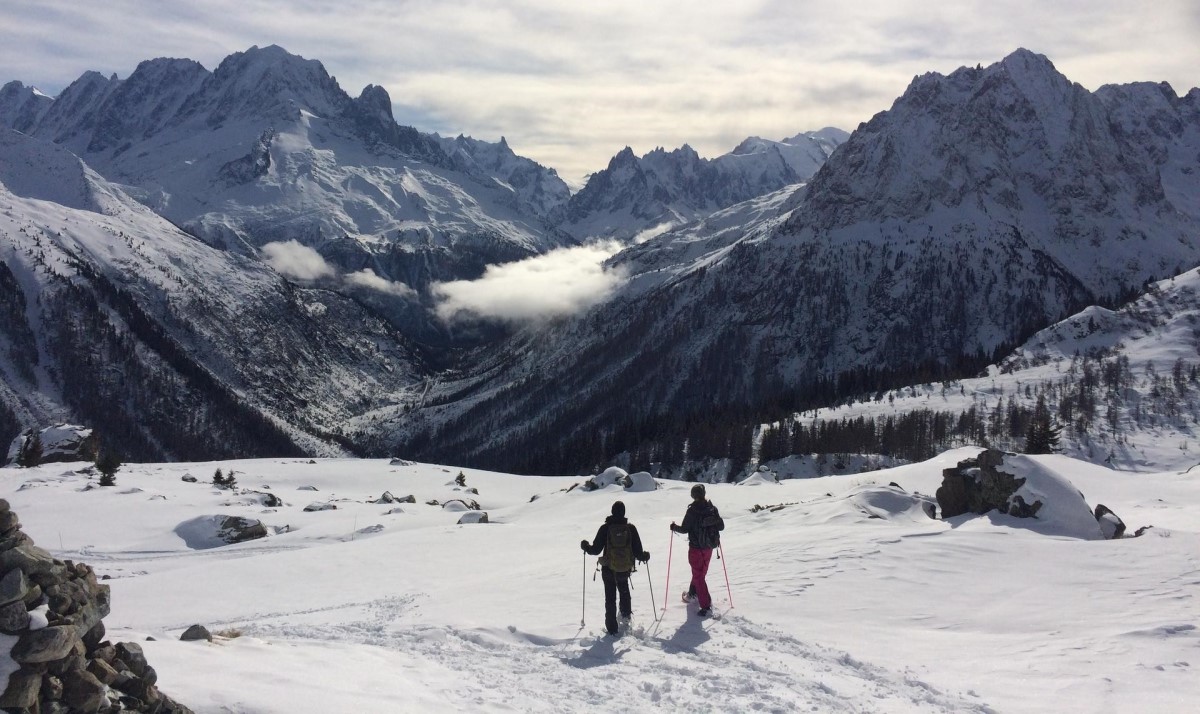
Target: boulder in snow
(188,478)
(1110,523)
(611,475)
(401,462)
(60,443)
(320,506)
(307,488)
(460,504)
(640,482)
(1021,487)
(196,632)
(760,477)
(473,517)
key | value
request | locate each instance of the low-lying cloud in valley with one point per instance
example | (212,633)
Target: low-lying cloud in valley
(299,262)
(561,282)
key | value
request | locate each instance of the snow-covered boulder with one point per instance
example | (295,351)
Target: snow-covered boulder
(641,481)
(473,517)
(1021,487)
(59,443)
(1110,523)
(610,476)
(206,532)
(760,477)
(459,504)
(320,506)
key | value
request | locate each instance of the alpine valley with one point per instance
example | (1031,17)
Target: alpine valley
(249,262)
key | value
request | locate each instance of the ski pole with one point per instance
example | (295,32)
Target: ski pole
(583,611)
(668,585)
(651,581)
(727,589)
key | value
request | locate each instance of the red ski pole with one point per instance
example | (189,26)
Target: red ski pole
(727,589)
(670,548)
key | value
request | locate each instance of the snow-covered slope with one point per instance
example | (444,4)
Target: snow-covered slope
(982,207)
(114,318)
(849,599)
(269,148)
(676,187)
(1123,384)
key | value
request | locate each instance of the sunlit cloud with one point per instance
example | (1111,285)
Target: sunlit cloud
(367,278)
(559,283)
(297,261)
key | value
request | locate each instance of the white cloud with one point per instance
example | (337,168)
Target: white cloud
(569,84)
(297,261)
(366,278)
(561,282)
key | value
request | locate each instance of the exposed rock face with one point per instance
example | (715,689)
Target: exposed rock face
(196,632)
(66,666)
(978,486)
(235,529)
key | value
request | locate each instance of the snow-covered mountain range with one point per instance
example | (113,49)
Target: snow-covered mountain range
(113,317)
(673,188)
(983,206)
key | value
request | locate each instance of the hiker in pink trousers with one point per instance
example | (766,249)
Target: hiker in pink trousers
(703,524)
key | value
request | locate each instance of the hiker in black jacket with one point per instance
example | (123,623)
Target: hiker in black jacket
(703,524)
(618,539)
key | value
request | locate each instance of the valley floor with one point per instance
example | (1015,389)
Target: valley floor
(850,599)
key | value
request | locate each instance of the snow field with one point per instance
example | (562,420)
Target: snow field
(851,599)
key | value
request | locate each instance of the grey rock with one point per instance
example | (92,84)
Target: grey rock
(102,671)
(83,692)
(1110,523)
(473,517)
(196,632)
(22,692)
(52,688)
(235,529)
(188,478)
(37,563)
(94,637)
(132,655)
(14,586)
(14,618)
(978,485)
(320,506)
(45,645)
(8,522)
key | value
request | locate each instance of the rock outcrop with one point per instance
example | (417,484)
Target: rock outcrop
(977,486)
(55,608)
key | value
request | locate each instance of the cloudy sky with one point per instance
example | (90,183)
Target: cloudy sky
(571,83)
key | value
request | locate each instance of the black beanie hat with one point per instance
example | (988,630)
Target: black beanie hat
(618,509)
(698,491)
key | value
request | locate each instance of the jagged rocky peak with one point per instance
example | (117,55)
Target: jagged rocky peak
(146,101)
(375,103)
(268,83)
(21,107)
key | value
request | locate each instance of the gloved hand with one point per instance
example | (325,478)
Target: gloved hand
(584,545)
(673,526)
(645,556)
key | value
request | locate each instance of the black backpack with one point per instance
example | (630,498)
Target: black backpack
(711,525)
(618,552)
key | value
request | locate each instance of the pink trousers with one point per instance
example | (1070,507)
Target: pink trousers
(698,558)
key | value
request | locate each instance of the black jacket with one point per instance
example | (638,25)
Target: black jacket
(698,522)
(601,540)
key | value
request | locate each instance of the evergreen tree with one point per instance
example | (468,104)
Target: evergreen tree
(461,479)
(31,451)
(1042,435)
(108,464)
(219,479)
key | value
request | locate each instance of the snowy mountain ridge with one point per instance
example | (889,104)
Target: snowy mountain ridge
(984,206)
(114,317)
(678,187)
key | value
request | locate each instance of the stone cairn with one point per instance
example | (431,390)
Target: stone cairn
(65,665)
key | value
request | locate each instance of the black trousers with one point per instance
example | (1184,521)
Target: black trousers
(614,583)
